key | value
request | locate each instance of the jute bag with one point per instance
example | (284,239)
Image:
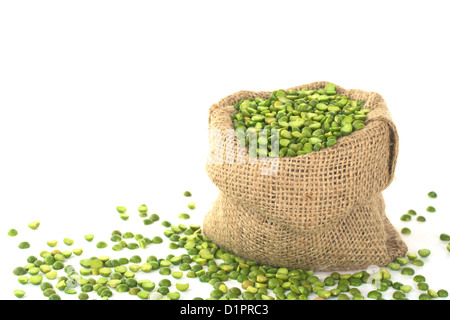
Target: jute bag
(321,211)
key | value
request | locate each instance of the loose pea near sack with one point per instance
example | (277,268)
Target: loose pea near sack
(319,211)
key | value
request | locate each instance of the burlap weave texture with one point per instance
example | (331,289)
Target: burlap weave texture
(321,211)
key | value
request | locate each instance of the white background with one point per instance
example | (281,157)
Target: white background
(105,103)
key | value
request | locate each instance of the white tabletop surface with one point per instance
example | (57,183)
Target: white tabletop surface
(105,103)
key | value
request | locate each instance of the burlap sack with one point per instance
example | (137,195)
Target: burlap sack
(321,211)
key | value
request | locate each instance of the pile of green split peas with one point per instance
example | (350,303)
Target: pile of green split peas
(296,122)
(102,277)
